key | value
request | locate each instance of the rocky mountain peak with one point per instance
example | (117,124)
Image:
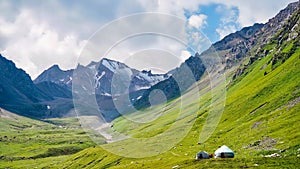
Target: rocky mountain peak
(112,65)
(277,22)
(55,67)
(56,75)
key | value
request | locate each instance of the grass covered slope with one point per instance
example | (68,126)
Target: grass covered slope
(27,143)
(260,118)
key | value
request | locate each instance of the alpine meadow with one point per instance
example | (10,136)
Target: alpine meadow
(235,104)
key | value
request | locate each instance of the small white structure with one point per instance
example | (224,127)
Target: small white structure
(202,155)
(224,152)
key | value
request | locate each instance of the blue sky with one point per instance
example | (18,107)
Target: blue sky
(215,14)
(38,34)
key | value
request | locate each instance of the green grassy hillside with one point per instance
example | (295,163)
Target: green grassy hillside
(260,118)
(27,143)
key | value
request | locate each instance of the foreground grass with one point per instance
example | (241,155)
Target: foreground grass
(26,143)
(97,158)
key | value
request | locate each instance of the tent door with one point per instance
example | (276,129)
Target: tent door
(222,155)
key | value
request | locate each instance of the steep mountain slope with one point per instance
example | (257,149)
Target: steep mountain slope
(179,81)
(18,93)
(260,116)
(54,90)
(282,45)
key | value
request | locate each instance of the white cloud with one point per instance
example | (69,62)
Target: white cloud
(228,22)
(250,12)
(119,45)
(229,13)
(198,41)
(158,60)
(185,55)
(34,45)
(197,21)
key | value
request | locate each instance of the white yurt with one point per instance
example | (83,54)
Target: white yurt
(202,155)
(224,152)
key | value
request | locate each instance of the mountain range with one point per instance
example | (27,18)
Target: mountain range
(50,94)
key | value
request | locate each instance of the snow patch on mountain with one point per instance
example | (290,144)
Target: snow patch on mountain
(111,65)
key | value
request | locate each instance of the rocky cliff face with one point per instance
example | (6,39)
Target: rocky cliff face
(277,22)
(179,81)
(279,37)
(239,45)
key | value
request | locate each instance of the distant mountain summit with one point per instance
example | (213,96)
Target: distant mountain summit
(108,79)
(104,70)
(55,75)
